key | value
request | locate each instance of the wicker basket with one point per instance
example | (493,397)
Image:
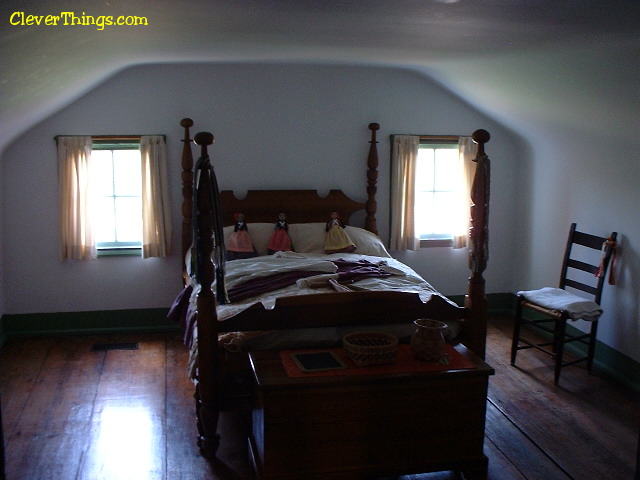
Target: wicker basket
(371,348)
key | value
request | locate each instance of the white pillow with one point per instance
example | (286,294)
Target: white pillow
(308,237)
(367,243)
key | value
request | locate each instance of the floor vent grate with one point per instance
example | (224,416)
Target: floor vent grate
(103,347)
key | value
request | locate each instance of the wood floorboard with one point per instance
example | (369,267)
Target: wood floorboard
(20,375)
(128,416)
(48,439)
(584,424)
(524,458)
(73,414)
(183,460)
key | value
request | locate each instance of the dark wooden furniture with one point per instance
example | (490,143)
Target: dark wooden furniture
(1,446)
(204,212)
(554,321)
(349,427)
(638,458)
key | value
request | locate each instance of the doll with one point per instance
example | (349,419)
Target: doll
(280,240)
(337,239)
(240,244)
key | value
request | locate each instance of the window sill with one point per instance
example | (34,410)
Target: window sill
(447,242)
(120,252)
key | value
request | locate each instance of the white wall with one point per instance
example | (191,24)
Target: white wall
(305,126)
(576,106)
(594,181)
(275,126)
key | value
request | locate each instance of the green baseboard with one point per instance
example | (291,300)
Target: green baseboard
(3,336)
(499,303)
(611,362)
(608,360)
(126,321)
(86,323)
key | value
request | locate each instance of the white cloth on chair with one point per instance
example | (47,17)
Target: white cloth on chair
(577,307)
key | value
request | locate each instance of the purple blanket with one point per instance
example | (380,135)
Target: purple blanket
(347,271)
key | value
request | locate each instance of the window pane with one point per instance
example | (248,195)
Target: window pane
(423,212)
(102,165)
(424,169)
(443,213)
(105,225)
(128,219)
(445,168)
(436,181)
(118,204)
(126,172)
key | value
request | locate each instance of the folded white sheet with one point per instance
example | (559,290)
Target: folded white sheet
(577,307)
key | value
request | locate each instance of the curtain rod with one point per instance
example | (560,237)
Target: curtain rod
(442,138)
(113,137)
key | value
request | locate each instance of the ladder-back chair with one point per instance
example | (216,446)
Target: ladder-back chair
(583,269)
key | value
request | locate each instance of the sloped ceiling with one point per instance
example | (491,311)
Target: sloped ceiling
(529,64)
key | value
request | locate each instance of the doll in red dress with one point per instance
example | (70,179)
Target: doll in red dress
(280,240)
(239,244)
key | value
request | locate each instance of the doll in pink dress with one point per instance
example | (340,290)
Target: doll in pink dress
(239,244)
(280,240)
(337,240)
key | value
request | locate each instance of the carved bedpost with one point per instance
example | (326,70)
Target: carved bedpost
(371,205)
(187,194)
(207,400)
(476,300)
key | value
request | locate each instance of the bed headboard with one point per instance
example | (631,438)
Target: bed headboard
(300,206)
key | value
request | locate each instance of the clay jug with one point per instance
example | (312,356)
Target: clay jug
(427,342)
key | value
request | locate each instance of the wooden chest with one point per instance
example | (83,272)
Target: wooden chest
(350,427)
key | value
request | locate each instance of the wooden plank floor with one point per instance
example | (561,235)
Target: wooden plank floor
(73,414)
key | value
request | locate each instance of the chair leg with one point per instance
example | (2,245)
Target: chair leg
(592,344)
(516,332)
(558,345)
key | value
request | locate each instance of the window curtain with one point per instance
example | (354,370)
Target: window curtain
(74,164)
(156,210)
(403,171)
(467,150)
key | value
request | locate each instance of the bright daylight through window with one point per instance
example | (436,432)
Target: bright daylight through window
(436,182)
(118,212)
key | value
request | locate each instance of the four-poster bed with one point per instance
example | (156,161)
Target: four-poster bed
(221,375)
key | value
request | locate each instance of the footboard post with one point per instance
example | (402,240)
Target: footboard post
(371,206)
(207,395)
(187,195)
(475,329)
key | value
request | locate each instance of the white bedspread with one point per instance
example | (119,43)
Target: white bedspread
(403,278)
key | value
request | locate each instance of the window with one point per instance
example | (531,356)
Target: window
(116,175)
(436,183)
(430,188)
(125,180)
